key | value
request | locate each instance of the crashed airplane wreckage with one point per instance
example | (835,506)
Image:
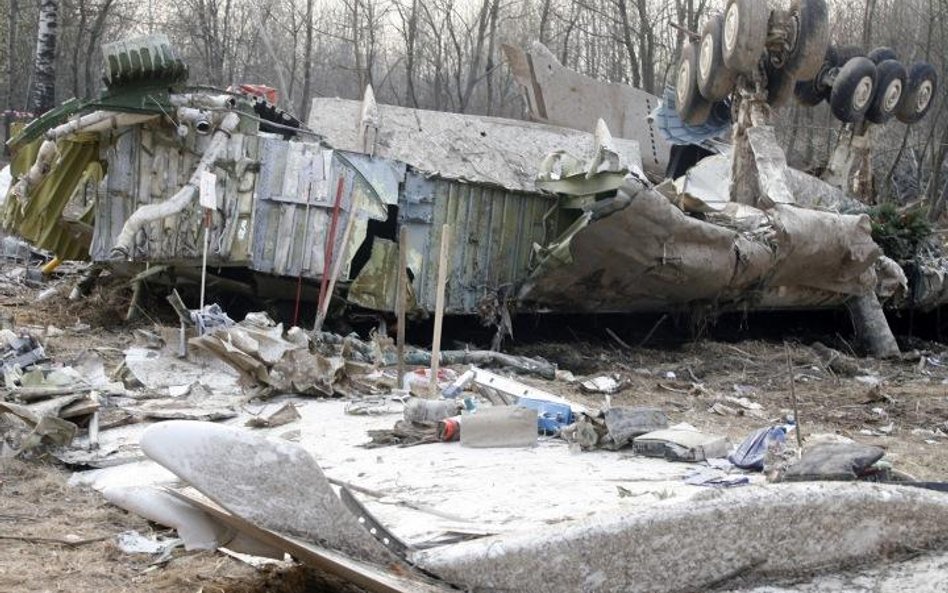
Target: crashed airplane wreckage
(545,218)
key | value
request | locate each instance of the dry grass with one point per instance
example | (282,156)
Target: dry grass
(35,502)
(685,382)
(912,399)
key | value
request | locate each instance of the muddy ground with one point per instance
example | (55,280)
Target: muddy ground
(57,538)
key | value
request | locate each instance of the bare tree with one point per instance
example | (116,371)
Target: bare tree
(11,68)
(308,59)
(44,63)
(95,39)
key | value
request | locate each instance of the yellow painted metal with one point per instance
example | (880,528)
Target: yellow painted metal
(51,266)
(39,219)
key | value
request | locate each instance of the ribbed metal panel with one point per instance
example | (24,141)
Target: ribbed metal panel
(492,238)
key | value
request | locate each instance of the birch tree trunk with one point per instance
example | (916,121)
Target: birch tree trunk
(11,71)
(44,64)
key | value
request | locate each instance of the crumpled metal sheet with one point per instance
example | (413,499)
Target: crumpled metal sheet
(377,284)
(930,286)
(706,188)
(484,150)
(557,95)
(265,356)
(564,173)
(41,220)
(649,255)
(771,167)
(300,371)
(43,421)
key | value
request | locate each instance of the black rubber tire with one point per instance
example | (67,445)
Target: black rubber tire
(745,34)
(891,78)
(780,86)
(715,79)
(853,90)
(881,54)
(693,109)
(808,50)
(808,93)
(838,56)
(919,96)
(813,92)
(269,112)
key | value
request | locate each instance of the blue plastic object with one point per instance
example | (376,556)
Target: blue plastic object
(551,416)
(750,453)
(675,131)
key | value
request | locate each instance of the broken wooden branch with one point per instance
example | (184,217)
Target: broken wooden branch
(31,394)
(793,398)
(652,331)
(532,366)
(54,541)
(618,340)
(523,364)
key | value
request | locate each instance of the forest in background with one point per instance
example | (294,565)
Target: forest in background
(446,55)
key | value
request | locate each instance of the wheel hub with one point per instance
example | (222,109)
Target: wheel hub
(892,96)
(683,78)
(705,56)
(793,32)
(863,93)
(731,24)
(924,96)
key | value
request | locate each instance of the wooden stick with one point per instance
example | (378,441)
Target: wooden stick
(336,267)
(94,425)
(51,540)
(439,307)
(618,340)
(793,398)
(400,298)
(651,332)
(207,243)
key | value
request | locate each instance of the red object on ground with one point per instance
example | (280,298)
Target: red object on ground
(330,244)
(449,429)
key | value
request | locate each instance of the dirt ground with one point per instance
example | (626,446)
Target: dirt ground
(57,538)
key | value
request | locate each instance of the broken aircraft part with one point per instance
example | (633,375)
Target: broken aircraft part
(783,530)
(542,222)
(230,465)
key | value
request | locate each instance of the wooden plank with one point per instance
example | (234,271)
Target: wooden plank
(439,307)
(284,238)
(400,298)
